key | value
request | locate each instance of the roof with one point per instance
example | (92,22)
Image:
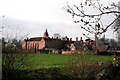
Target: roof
(35,38)
(39,38)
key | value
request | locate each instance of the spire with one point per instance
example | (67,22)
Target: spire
(46,34)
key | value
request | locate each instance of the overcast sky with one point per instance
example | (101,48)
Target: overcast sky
(34,16)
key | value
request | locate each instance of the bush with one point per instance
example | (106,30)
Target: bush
(82,69)
(111,72)
(9,48)
(75,52)
(60,52)
(92,69)
(41,74)
(10,64)
(43,51)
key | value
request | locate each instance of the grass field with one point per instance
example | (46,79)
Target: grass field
(37,61)
(54,66)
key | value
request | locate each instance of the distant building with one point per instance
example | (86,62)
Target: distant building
(44,42)
(77,44)
(80,45)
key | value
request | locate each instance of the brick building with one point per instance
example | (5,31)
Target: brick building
(44,42)
(80,45)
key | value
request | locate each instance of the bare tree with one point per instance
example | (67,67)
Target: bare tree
(12,38)
(113,42)
(57,36)
(92,22)
(118,26)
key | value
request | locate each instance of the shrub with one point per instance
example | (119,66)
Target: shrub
(82,69)
(10,64)
(60,52)
(92,69)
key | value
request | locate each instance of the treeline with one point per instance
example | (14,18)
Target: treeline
(10,46)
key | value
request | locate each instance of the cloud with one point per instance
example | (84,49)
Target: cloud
(34,16)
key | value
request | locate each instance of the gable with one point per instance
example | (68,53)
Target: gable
(42,40)
(72,47)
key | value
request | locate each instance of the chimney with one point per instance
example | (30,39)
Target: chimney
(70,39)
(67,39)
(76,38)
(27,38)
(80,38)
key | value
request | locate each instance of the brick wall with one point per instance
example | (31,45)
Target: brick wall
(33,44)
(23,44)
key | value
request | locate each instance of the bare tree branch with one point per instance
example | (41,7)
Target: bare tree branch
(93,18)
(110,24)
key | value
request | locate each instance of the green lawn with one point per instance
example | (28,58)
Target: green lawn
(37,61)
(36,66)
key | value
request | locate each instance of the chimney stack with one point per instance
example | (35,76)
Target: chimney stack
(70,39)
(76,38)
(80,38)
(27,38)
(67,39)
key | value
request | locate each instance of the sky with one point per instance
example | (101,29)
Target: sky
(34,16)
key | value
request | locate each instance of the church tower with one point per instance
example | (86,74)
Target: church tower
(46,34)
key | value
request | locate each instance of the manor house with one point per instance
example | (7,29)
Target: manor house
(45,42)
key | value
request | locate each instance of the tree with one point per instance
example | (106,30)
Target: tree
(119,39)
(113,42)
(104,40)
(57,36)
(12,38)
(92,22)
(65,38)
(12,41)
(118,26)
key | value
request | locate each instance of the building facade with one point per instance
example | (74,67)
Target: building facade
(80,45)
(44,42)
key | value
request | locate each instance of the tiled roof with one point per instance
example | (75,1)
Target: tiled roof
(46,39)
(35,38)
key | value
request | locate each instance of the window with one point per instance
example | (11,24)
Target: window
(72,48)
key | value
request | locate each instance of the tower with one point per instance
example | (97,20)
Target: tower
(46,34)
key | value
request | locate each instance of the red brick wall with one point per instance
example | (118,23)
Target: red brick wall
(33,44)
(36,44)
(42,44)
(23,44)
